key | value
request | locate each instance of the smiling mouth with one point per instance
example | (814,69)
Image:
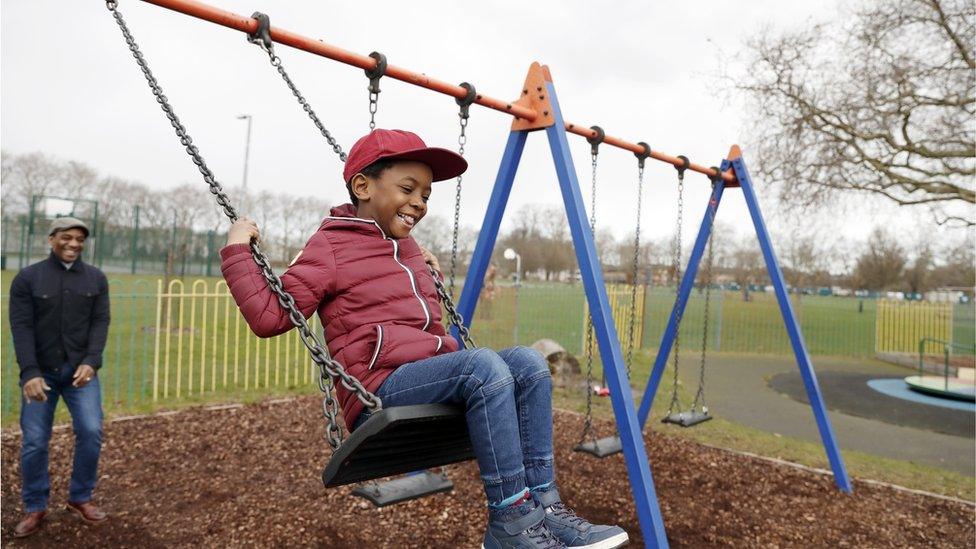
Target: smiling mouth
(407,220)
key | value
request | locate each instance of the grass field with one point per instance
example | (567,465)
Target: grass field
(204,348)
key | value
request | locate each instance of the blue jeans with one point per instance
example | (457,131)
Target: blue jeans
(36,420)
(508,401)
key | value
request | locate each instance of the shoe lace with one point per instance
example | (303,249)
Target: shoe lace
(545,538)
(561,510)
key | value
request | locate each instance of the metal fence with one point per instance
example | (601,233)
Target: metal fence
(187,341)
(132,249)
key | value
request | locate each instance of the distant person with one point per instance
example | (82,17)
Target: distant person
(59,316)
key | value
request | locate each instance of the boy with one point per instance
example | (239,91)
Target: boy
(370,284)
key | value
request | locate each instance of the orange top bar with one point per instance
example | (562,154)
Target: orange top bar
(282,36)
(288,38)
(585,131)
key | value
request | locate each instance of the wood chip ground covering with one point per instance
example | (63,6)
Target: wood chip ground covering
(250,477)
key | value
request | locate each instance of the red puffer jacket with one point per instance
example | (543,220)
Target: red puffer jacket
(374,295)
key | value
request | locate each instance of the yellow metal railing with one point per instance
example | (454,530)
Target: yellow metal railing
(620,302)
(202,345)
(901,325)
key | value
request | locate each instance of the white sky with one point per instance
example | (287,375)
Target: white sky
(641,70)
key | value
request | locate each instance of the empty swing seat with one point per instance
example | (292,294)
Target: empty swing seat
(399,440)
(687,419)
(601,448)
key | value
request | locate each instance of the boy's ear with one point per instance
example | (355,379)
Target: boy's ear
(359,185)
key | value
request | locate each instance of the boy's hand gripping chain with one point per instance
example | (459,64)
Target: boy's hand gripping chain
(328,368)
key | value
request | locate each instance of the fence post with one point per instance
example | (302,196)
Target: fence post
(210,243)
(21,257)
(135,240)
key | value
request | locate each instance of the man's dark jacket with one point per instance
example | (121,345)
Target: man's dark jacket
(58,315)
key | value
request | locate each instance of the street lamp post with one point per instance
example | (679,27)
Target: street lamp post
(247,145)
(511,254)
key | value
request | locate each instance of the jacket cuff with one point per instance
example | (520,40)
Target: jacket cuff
(29,373)
(231,250)
(95,361)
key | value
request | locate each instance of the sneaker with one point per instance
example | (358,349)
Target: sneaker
(575,531)
(528,531)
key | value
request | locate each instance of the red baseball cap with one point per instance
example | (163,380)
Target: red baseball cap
(402,145)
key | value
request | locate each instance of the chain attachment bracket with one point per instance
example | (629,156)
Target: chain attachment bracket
(374,74)
(685,163)
(262,35)
(466,101)
(643,155)
(377,72)
(596,140)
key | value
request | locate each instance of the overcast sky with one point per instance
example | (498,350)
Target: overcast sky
(641,70)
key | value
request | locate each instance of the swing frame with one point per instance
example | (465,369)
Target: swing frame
(538,109)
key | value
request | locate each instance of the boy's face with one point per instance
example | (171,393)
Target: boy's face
(67,245)
(397,199)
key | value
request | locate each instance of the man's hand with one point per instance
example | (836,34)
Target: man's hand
(243,231)
(83,375)
(34,389)
(431,259)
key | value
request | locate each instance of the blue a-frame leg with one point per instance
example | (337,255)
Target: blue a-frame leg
(786,309)
(635,455)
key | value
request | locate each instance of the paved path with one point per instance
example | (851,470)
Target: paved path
(738,389)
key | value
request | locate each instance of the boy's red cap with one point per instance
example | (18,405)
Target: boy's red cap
(402,145)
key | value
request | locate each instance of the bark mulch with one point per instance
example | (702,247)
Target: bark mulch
(251,477)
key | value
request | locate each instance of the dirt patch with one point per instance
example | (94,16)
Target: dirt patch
(251,477)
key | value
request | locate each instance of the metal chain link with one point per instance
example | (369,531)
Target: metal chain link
(374,75)
(265,43)
(633,286)
(328,368)
(462,140)
(588,421)
(456,319)
(676,267)
(700,394)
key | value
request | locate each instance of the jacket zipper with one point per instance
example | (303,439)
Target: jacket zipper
(396,257)
(379,344)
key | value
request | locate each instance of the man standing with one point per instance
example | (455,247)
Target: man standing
(59,317)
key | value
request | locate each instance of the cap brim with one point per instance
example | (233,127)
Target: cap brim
(444,164)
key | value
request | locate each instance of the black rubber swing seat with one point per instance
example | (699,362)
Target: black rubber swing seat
(601,448)
(687,419)
(398,440)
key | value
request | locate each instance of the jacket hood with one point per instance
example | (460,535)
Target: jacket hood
(345,210)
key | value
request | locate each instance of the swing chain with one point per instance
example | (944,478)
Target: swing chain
(328,368)
(676,268)
(456,319)
(712,206)
(262,38)
(594,141)
(641,157)
(374,75)
(464,103)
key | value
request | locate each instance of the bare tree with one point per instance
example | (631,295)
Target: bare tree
(881,102)
(881,263)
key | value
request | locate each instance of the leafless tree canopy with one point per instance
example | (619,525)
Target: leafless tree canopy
(883,103)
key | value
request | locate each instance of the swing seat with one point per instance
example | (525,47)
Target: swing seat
(412,486)
(399,440)
(601,448)
(687,419)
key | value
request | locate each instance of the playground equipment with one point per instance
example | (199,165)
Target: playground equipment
(404,439)
(961,386)
(694,415)
(608,446)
